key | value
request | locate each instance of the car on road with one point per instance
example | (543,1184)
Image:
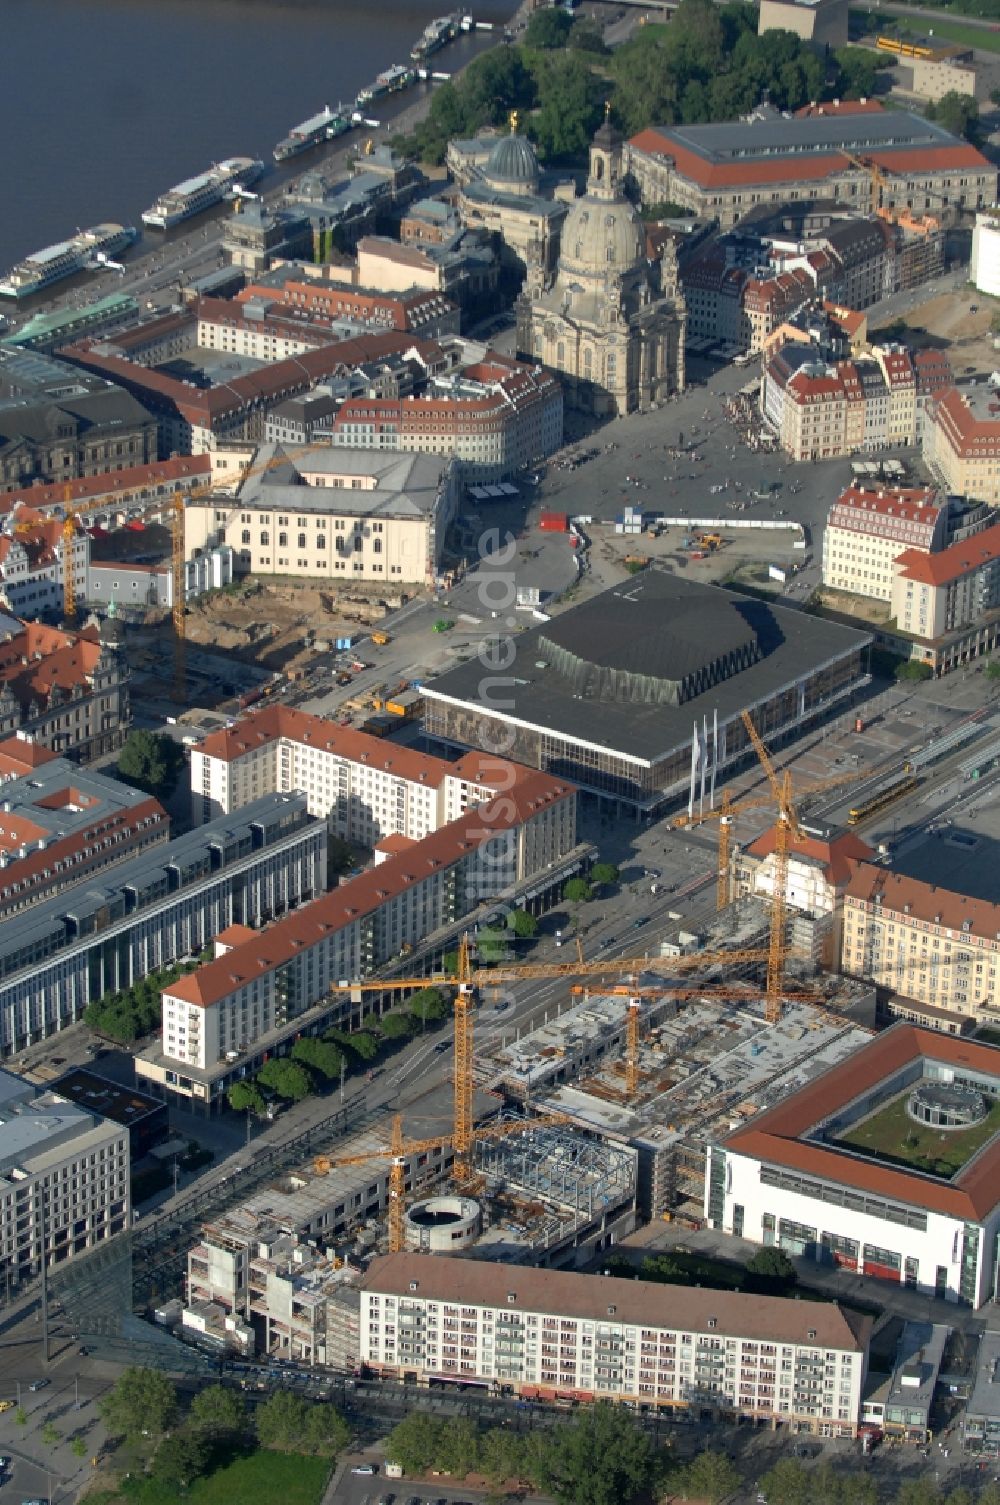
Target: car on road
(642,920)
(39,1384)
(363,1468)
(413,1500)
(442,1045)
(443,624)
(5,1462)
(502,1005)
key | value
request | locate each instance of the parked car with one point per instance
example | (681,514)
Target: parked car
(363,1468)
(39,1384)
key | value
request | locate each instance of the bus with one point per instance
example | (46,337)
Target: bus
(887,796)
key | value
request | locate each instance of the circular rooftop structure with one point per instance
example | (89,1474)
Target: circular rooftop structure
(648,649)
(947,1105)
(440,1225)
(512,165)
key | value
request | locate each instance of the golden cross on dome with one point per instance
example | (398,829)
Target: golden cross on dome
(513,122)
(607,109)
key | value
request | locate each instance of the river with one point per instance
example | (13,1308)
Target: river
(106,103)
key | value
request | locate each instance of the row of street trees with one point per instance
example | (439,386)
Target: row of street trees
(144,1409)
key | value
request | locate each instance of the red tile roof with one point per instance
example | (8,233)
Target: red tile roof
(953,562)
(776,1136)
(114,485)
(838,856)
(840,107)
(367,893)
(927,901)
(111,837)
(18,756)
(912,504)
(64,659)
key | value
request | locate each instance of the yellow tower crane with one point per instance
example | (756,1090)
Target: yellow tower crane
(726,812)
(786,830)
(468,978)
(399,1149)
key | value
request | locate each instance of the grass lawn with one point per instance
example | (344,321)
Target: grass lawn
(260,1479)
(951,31)
(894,1134)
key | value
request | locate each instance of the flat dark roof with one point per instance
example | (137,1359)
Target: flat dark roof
(123,1105)
(644,629)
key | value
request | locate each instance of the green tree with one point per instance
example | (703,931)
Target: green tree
(523,924)
(427,1006)
(218,1411)
(587,36)
(959,1496)
(21,1416)
(142,1400)
(572,103)
(993,669)
(919,1491)
(600,1458)
(548,29)
(458,1450)
(179,1460)
(826,1485)
(151,761)
(362,1043)
(910,669)
(958,113)
(245,1097)
(339,859)
(787,1483)
(280,1421)
(604,873)
(322,1055)
(855,1488)
(577,891)
(492,946)
(286,1078)
(502,1456)
(325,1430)
(709,1476)
(857,71)
(396,1025)
(78,1447)
(50,1434)
(772,1263)
(416,1442)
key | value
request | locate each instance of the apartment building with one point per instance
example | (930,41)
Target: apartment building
(66,690)
(933,595)
(924,944)
(366,788)
(64,1179)
(222,1020)
(115,496)
(422,312)
(961,442)
(497,417)
(552,1334)
(727,171)
(334,514)
(96,938)
(868,527)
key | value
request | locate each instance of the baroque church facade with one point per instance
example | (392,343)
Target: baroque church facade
(605,321)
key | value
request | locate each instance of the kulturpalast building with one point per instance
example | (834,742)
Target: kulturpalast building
(611,327)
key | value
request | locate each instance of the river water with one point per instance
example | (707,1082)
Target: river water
(105,103)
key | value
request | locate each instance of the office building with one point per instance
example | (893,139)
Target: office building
(552,1334)
(870,526)
(823,23)
(937,594)
(813,1174)
(64,1179)
(102,936)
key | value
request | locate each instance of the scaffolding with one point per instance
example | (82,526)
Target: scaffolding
(559,1167)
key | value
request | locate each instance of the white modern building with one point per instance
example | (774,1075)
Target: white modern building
(64,1179)
(818,1175)
(986,252)
(552,1334)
